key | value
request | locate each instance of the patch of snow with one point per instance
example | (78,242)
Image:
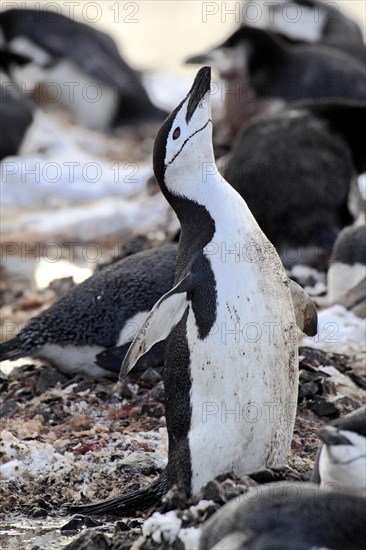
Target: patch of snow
(46,271)
(105,218)
(162,527)
(339,331)
(197,510)
(303,273)
(190,536)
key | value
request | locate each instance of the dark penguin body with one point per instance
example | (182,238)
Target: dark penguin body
(86,55)
(347,270)
(209,294)
(15,115)
(88,330)
(309,21)
(288,516)
(296,169)
(15,119)
(293,72)
(341,460)
(304,516)
(260,70)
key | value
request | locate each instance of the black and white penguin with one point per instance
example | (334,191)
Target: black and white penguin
(88,331)
(230,387)
(81,65)
(16,116)
(341,460)
(347,270)
(303,516)
(288,516)
(297,171)
(290,72)
(307,21)
(260,71)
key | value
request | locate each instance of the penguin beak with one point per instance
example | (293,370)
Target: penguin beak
(198,59)
(331,436)
(200,87)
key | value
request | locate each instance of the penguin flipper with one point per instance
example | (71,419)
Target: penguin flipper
(305,310)
(111,358)
(164,316)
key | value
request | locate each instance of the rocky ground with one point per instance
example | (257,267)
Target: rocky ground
(71,440)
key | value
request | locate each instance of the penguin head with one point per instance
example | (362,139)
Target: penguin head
(184,142)
(342,460)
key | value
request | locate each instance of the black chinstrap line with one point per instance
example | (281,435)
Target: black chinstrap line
(188,138)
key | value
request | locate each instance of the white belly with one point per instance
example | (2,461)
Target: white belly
(244,375)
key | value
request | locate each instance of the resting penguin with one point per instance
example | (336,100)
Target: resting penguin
(230,392)
(303,516)
(83,64)
(341,461)
(88,330)
(296,170)
(347,270)
(288,516)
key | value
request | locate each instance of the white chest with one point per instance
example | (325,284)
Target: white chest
(244,374)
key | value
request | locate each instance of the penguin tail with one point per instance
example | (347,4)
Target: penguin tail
(130,502)
(10,350)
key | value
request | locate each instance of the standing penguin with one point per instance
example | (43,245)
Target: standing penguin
(231,354)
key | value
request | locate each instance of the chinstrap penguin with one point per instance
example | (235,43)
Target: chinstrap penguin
(290,72)
(88,331)
(211,368)
(67,52)
(347,270)
(303,516)
(288,516)
(260,72)
(307,21)
(297,170)
(341,460)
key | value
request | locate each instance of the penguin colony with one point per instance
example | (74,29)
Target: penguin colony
(200,300)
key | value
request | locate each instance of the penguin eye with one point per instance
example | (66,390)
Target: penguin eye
(176,133)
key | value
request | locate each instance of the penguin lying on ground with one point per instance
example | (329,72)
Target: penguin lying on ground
(214,364)
(307,21)
(296,169)
(341,461)
(88,330)
(259,70)
(347,270)
(68,52)
(303,516)
(16,115)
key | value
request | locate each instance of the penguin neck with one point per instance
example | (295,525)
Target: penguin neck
(210,209)
(197,230)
